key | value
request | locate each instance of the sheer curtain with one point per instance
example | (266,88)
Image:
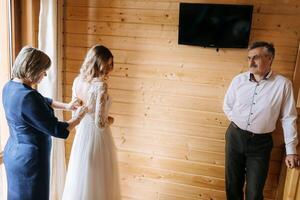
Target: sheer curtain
(51,87)
(5,63)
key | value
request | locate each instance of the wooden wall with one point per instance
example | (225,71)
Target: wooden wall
(292,188)
(167,98)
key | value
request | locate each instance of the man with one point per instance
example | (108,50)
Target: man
(254,101)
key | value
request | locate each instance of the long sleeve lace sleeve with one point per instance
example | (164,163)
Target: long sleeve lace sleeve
(100,115)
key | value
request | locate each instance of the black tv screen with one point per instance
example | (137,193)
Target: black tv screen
(215,25)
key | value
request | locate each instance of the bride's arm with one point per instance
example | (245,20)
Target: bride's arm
(100,119)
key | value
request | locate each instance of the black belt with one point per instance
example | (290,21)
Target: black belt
(251,134)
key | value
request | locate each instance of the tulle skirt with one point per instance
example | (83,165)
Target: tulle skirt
(92,171)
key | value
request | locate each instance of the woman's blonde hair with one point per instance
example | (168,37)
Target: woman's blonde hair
(95,63)
(29,64)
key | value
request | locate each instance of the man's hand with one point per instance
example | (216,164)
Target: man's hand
(292,160)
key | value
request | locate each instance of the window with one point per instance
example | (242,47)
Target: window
(5,63)
(5,66)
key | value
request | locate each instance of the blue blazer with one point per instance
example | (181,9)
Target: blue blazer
(31,124)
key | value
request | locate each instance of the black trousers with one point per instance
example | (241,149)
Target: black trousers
(247,159)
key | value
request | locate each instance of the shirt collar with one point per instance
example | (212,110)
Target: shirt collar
(266,77)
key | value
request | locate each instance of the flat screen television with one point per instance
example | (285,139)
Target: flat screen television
(215,25)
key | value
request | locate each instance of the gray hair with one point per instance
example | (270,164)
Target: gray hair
(269,46)
(29,64)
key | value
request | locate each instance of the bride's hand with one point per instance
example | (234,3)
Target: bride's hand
(110,120)
(74,104)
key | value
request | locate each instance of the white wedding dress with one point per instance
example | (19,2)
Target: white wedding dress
(92,171)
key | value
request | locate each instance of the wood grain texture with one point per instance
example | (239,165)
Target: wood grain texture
(167,98)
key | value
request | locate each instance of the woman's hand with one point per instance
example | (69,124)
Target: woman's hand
(80,112)
(74,104)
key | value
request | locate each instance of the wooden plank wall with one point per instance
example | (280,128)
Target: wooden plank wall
(292,190)
(167,98)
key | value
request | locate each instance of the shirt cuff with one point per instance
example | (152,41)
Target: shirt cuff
(291,149)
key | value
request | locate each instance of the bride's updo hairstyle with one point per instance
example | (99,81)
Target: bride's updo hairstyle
(96,63)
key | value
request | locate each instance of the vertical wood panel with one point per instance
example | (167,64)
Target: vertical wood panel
(292,180)
(29,22)
(292,191)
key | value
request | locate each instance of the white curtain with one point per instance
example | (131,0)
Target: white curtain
(51,87)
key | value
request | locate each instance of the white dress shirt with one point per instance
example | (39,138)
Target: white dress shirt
(256,106)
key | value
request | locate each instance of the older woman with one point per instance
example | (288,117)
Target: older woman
(31,124)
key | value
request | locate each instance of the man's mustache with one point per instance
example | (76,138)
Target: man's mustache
(253,65)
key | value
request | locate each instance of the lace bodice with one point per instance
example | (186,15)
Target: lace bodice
(96,98)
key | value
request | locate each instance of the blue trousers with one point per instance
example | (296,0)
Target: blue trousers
(247,160)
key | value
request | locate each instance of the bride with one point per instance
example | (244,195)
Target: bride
(92,172)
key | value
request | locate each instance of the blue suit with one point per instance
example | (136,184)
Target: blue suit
(31,124)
